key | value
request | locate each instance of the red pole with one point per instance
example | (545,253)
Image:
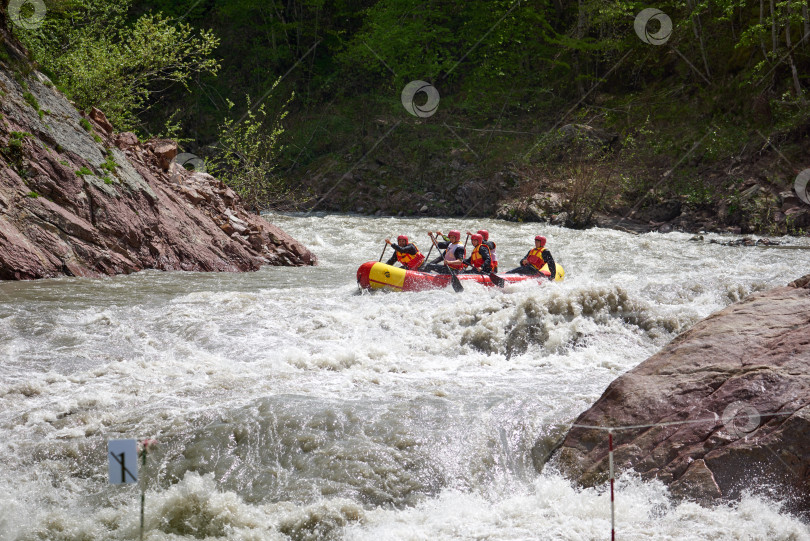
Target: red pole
(612,511)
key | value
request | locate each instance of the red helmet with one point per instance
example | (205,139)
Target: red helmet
(477,237)
(484,233)
(455,233)
(402,239)
(542,240)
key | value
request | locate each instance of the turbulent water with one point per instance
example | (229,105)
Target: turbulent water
(288,406)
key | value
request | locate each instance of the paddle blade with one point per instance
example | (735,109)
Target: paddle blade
(497,280)
(457,287)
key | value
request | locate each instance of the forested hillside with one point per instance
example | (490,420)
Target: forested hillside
(543,110)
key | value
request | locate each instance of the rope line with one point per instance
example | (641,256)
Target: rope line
(714,419)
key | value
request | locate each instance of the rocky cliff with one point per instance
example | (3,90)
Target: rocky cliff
(77,199)
(729,399)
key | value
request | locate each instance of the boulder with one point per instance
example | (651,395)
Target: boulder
(122,219)
(560,219)
(722,409)
(125,140)
(101,119)
(541,207)
(165,151)
(789,200)
(798,217)
(660,212)
(549,202)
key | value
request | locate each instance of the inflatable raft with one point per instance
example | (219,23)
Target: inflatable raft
(375,275)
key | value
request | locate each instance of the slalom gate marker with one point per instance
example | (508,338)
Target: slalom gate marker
(730,420)
(612,501)
(122,457)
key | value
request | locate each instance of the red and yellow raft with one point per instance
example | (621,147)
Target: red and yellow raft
(376,275)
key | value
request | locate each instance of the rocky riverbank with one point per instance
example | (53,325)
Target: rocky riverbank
(77,199)
(728,399)
(583,178)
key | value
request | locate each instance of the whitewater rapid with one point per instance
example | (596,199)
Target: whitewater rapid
(289,406)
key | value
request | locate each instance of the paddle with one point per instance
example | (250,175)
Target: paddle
(457,287)
(384,248)
(427,259)
(497,280)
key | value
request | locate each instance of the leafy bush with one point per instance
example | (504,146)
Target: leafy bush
(17,137)
(248,156)
(109,164)
(100,60)
(31,100)
(14,150)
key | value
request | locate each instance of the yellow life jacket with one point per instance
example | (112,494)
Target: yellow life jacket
(411,261)
(475,257)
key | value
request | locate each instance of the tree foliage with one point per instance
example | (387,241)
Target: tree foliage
(246,156)
(535,63)
(100,59)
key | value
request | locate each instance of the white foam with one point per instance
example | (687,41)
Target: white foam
(441,395)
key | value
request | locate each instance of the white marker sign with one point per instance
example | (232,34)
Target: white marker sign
(123,459)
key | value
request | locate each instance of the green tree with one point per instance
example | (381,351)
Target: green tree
(99,59)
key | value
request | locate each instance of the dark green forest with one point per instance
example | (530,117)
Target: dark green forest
(298,103)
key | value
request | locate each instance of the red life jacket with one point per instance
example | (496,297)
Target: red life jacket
(535,259)
(410,261)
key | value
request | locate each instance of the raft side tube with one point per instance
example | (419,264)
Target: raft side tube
(559,273)
(377,275)
(362,275)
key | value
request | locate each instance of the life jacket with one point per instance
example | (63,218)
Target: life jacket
(493,256)
(410,261)
(535,259)
(450,258)
(476,259)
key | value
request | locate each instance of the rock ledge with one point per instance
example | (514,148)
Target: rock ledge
(741,378)
(77,199)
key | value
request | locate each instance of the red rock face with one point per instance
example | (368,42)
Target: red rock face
(740,379)
(62,213)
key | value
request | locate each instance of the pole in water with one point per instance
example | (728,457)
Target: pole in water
(146,446)
(612,510)
(143,490)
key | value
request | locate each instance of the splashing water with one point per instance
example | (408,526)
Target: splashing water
(288,406)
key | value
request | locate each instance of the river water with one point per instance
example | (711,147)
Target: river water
(289,406)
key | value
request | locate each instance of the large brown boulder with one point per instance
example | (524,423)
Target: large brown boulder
(541,207)
(729,401)
(87,203)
